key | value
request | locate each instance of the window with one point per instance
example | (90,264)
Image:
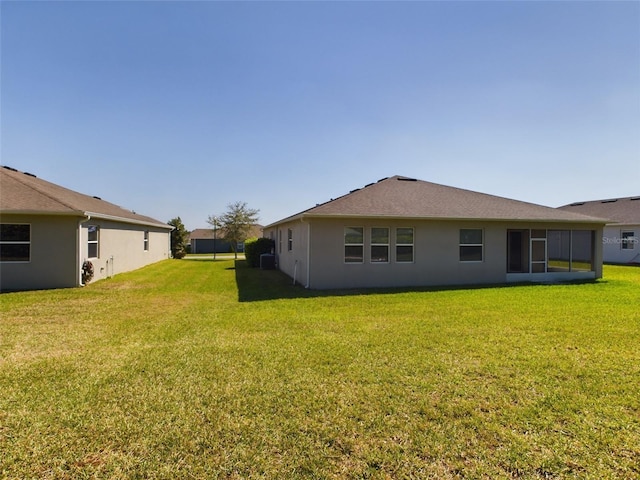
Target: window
(289,239)
(354,245)
(279,241)
(146,240)
(471,245)
(15,242)
(629,241)
(93,235)
(379,245)
(404,245)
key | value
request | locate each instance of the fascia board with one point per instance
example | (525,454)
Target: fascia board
(114,218)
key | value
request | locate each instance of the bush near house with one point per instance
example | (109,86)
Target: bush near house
(202,369)
(254,247)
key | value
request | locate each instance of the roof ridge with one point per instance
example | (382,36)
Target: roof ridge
(602,200)
(40,191)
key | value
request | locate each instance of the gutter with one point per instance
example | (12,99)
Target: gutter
(75,213)
(586,220)
(303,216)
(127,220)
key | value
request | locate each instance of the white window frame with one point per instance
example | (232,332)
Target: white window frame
(372,244)
(462,245)
(18,242)
(361,245)
(95,242)
(628,240)
(412,244)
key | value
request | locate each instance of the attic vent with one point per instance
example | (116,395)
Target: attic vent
(30,174)
(407,179)
(382,179)
(355,190)
(9,168)
(634,198)
(613,200)
(97,198)
(368,185)
(577,204)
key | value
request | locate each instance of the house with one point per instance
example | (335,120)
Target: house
(403,232)
(621,235)
(48,232)
(205,240)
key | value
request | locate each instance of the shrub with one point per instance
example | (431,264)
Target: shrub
(254,247)
(178,238)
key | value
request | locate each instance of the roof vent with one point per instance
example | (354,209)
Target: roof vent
(368,185)
(30,174)
(613,200)
(634,198)
(407,179)
(97,198)
(9,168)
(577,204)
(355,190)
(382,179)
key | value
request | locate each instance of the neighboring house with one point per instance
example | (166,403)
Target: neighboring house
(621,236)
(402,232)
(205,240)
(202,241)
(47,232)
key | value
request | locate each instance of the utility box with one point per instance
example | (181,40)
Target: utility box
(267,261)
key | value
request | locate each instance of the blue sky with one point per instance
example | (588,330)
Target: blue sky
(180,108)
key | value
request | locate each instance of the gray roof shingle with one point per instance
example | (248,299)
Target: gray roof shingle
(624,211)
(27,194)
(403,197)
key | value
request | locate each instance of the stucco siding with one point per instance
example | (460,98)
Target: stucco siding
(53,262)
(121,247)
(612,244)
(292,256)
(436,254)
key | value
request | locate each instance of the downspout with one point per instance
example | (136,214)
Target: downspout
(295,270)
(86,218)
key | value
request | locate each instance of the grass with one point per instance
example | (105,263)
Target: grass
(198,369)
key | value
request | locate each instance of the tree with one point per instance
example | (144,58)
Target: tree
(178,238)
(235,223)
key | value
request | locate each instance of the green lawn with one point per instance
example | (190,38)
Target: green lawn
(196,369)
